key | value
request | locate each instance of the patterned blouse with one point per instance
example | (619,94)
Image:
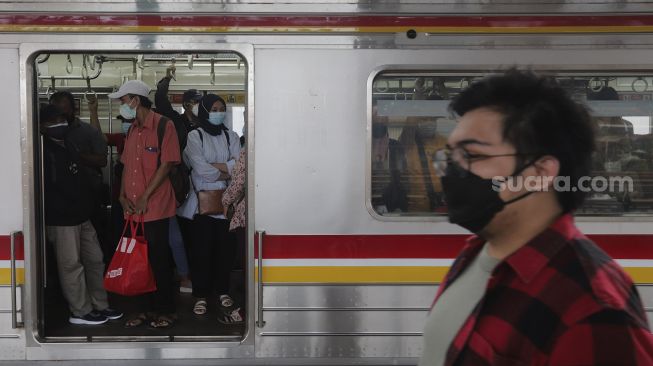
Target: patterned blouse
(236,190)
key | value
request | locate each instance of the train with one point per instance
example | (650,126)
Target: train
(347,240)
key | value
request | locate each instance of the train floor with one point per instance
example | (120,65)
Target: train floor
(188,324)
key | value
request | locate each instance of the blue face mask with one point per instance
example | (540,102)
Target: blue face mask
(125,127)
(127,112)
(217,118)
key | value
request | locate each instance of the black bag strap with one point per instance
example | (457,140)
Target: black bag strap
(430,191)
(160,132)
(226,135)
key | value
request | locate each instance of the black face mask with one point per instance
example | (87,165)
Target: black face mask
(471,200)
(57,131)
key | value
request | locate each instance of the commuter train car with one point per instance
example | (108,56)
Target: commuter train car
(347,229)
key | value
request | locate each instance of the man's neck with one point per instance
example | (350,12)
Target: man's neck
(72,121)
(141,116)
(520,228)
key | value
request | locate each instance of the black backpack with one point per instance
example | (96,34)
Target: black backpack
(179,174)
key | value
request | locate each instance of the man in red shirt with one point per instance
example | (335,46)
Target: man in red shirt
(146,191)
(529,288)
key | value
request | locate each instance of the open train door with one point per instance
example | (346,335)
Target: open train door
(82,69)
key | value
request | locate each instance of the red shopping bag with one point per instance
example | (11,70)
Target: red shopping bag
(129,272)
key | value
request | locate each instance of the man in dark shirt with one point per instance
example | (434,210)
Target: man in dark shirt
(529,288)
(86,138)
(68,206)
(183,122)
(92,151)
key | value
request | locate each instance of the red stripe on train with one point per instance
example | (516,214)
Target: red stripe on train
(180,20)
(5,248)
(419,246)
(393,246)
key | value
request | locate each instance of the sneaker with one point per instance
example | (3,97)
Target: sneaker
(91,318)
(109,313)
(232,317)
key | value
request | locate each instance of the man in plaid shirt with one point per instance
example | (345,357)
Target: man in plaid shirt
(529,288)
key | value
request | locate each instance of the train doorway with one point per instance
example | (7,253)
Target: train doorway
(85,80)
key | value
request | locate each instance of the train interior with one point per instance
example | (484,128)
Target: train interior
(411,121)
(92,76)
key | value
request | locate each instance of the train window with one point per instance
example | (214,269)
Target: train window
(410,122)
(87,79)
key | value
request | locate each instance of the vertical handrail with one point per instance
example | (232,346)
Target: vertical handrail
(259,236)
(44,261)
(14,303)
(44,243)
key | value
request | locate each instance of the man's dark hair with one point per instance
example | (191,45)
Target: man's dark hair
(145,101)
(539,119)
(606,93)
(64,95)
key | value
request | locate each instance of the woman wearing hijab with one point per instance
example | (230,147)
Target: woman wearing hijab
(211,153)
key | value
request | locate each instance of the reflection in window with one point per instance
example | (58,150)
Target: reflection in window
(411,122)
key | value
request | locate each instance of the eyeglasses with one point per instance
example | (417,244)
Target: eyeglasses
(462,158)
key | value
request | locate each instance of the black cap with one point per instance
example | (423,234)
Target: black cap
(191,95)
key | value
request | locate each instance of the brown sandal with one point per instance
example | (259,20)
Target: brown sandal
(136,321)
(163,322)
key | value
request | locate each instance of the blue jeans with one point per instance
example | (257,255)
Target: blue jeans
(177,247)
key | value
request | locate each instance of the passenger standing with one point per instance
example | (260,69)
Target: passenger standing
(235,195)
(68,206)
(211,153)
(92,158)
(183,123)
(147,192)
(529,287)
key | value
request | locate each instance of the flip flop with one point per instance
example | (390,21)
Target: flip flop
(162,322)
(136,321)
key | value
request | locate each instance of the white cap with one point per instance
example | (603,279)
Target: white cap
(135,87)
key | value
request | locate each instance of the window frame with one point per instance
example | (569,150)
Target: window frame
(444,70)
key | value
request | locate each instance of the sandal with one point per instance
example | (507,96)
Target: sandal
(226,301)
(136,321)
(200,307)
(163,322)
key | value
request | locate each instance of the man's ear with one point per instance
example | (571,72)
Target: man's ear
(547,167)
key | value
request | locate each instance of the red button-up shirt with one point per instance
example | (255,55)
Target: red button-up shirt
(558,300)
(140,158)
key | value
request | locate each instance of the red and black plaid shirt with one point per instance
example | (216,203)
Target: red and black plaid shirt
(558,300)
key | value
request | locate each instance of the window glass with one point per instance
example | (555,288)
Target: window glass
(411,122)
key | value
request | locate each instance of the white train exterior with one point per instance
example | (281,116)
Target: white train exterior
(338,282)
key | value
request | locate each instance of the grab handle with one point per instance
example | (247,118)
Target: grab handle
(14,306)
(259,236)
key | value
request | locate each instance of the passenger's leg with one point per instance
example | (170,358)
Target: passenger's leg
(203,242)
(178,250)
(156,234)
(241,248)
(66,241)
(91,256)
(226,255)
(186,228)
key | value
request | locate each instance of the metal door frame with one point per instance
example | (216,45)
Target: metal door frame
(99,350)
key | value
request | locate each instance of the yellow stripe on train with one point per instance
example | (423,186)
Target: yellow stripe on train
(350,274)
(5,276)
(393,274)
